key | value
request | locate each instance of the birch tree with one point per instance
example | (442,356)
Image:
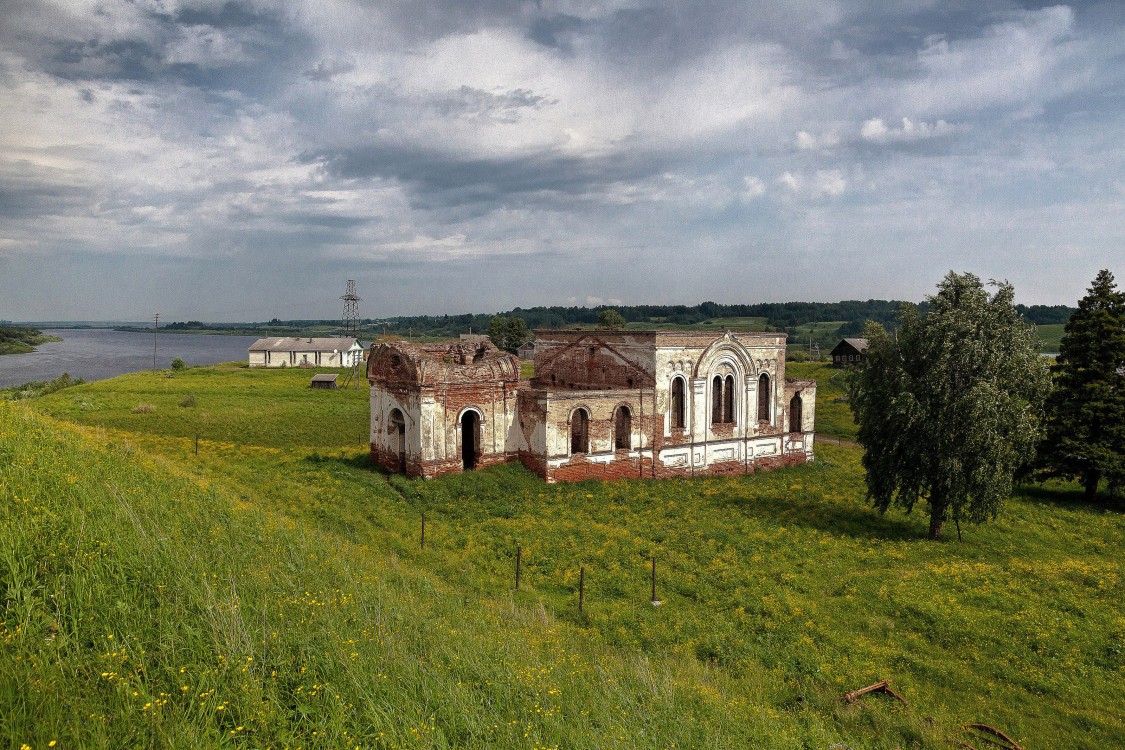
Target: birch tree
(950,406)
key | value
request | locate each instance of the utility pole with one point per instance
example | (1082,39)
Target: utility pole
(155,328)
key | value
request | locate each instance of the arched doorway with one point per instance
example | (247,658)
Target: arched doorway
(795,413)
(397,431)
(470,440)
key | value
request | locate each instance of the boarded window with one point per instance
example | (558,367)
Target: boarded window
(795,413)
(622,429)
(728,399)
(764,398)
(677,402)
(579,432)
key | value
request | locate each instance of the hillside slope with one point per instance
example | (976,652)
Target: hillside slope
(286,577)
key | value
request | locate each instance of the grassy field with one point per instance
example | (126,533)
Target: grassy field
(272,591)
(1051,337)
(833,415)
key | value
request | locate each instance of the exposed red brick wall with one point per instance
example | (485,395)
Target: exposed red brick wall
(588,362)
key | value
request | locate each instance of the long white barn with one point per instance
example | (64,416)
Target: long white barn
(305,352)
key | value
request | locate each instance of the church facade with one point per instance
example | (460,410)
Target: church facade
(602,404)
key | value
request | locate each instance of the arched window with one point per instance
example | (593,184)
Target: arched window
(764,398)
(622,429)
(579,432)
(795,413)
(728,399)
(716,399)
(677,402)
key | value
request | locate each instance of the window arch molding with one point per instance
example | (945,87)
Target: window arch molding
(477,409)
(726,351)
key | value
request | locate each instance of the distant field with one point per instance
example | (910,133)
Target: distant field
(1051,337)
(271,591)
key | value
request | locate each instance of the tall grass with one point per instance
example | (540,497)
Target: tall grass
(288,577)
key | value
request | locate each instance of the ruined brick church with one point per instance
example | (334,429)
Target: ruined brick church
(602,404)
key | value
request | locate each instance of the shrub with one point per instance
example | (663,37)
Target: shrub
(178,364)
(144,409)
(188,400)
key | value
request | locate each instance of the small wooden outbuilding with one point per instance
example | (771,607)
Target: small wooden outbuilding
(324,380)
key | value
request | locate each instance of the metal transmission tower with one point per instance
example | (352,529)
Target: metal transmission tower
(351,310)
(350,321)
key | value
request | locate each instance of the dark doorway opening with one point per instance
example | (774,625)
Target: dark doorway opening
(470,440)
(398,437)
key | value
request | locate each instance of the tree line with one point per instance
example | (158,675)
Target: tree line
(779,316)
(957,404)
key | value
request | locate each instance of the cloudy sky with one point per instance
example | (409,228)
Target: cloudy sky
(240,160)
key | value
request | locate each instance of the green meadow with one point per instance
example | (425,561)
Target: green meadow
(269,589)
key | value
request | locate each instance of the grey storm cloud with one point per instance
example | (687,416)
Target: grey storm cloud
(456,156)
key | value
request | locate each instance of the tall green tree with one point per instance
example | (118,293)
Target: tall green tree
(611,319)
(949,408)
(508,333)
(1086,410)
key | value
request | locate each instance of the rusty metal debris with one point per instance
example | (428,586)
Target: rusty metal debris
(994,736)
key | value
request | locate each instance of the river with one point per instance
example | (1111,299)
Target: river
(99,353)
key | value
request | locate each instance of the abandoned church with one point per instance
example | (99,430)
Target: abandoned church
(602,404)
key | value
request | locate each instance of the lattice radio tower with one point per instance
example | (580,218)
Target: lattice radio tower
(351,310)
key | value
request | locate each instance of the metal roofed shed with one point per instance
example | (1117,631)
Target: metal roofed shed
(324,380)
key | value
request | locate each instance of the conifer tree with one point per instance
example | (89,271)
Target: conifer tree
(1086,411)
(949,408)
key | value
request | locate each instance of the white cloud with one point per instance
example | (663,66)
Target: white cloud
(829,182)
(808,142)
(876,130)
(822,183)
(752,188)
